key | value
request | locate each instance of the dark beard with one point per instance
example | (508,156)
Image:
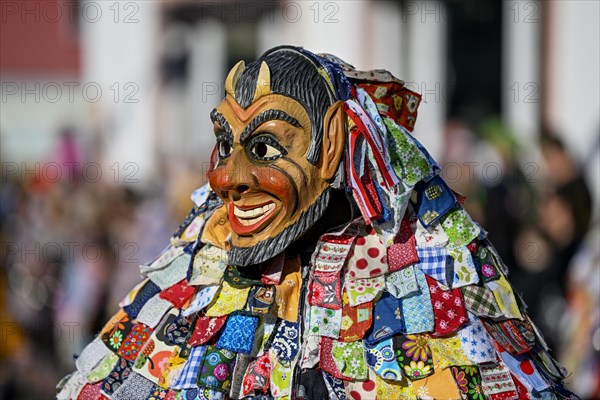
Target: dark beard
(243,256)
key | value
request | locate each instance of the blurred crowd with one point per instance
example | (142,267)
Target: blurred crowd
(71,249)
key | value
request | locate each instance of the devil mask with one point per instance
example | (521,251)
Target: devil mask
(280,137)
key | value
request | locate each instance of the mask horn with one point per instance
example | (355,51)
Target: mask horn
(263,83)
(233,76)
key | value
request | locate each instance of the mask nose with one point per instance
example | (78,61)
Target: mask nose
(236,193)
(233,179)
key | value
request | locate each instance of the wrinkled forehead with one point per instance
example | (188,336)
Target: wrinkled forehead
(271,107)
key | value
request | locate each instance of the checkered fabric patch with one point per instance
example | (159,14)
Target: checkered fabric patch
(480,301)
(432,261)
(190,370)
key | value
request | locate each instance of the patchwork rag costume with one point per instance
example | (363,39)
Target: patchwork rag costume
(326,259)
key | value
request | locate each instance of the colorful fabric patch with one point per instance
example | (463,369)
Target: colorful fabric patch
(239,333)
(460,227)
(464,271)
(154,356)
(286,341)
(261,299)
(335,386)
(215,372)
(497,382)
(363,290)
(167,256)
(179,331)
(505,297)
(287,294)
(477,344)
(409,163)
(325,322)
(468,381)
(281,377)
(447,352)
(135,387)
(480,301)
(413,355)
(101,371)
(113,338)
(402,283)
(237,375)
(145,293)
(153,311)
(91,355)
(507,335)
(205,329)
(230,299)
(440,385)
(178,294)
(368,256)
(417,309)
(325,290)
(257,376)
(433,200)
(356,321)
(349,358)
(485,263)
(117,376)
(159,393)
(382,360)
(134,341)
(332,249)
(433,236)
(200,394)
(327,361)
(524,368)
(90,392)
(236,277)
(403,251)
(388,319)
(174,272)
(448,308)
(397,390)
(432,261)
(208,266)
(204,297)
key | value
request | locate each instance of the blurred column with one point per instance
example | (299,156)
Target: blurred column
(426,69)
(521,31)
(574,82)
(120,61)
(207,75)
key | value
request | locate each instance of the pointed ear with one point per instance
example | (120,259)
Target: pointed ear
(334,139)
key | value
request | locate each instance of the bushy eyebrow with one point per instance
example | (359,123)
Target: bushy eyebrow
(268,115)
(218,118)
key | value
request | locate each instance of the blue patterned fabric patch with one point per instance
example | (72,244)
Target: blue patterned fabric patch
(145,294)
(432,261)
(434,199)
(286,341)
(417,309)
(189,372)
(382,360)
(239,333)
(388,319)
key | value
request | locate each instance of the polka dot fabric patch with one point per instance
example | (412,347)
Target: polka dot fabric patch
(368,256)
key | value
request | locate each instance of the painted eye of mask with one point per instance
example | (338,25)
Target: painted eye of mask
(224,144)
(265,148)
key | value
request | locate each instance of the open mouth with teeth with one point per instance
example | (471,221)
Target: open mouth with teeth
(250,218)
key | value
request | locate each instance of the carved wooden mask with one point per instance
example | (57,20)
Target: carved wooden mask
(278,149)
